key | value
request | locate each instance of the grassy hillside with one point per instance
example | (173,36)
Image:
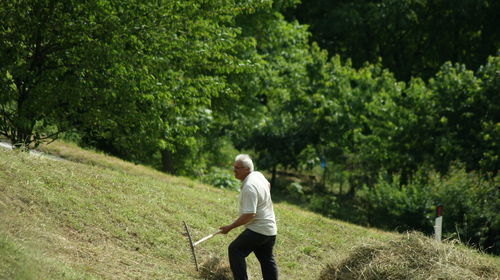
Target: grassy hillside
(97,217)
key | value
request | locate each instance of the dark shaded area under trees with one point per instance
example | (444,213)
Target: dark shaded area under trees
(412,37)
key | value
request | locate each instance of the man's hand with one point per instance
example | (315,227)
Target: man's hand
(225,229)
(243,219)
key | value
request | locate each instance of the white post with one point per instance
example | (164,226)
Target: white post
(438,226)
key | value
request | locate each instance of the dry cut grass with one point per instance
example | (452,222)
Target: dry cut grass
(413,256)
(215,269)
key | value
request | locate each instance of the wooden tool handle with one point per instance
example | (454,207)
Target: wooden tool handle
(206,238)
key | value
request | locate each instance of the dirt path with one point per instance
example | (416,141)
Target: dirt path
(6,145)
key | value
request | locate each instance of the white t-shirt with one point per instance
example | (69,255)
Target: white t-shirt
(255,197)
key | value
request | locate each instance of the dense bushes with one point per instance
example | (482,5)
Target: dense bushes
(366,123)
(220,178)
(404,208)
(326,205)
(471,205)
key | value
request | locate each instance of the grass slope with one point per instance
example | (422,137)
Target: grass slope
(97,217)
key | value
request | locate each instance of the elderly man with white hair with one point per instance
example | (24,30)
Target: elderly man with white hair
(257,215)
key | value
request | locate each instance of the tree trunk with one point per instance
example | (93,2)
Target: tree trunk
(404,179)
(167,162)
(22,137)
(352,186)
(341,182)
(23,121)
(273,178)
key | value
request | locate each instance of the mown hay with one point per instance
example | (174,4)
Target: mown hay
(414,256)
(215,269)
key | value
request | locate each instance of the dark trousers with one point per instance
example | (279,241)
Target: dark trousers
(261,245)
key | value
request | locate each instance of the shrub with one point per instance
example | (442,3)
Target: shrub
(220,178)
(295,190)
(470,202)
(403,208)
(325,204)
(470,207)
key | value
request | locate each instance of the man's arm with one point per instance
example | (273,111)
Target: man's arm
(242,219)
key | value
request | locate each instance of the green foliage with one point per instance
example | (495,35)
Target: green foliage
(221,178)
(124,75)
(470,203)
(41,51)
(354,114)
(470,207)
(69,62)
(465,111)
(275,126)
(295,190)
(324,204)
(413,37)
(489,102)
(391,206)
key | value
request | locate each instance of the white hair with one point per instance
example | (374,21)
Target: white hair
(245,160)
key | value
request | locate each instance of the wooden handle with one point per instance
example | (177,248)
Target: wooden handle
(206,238)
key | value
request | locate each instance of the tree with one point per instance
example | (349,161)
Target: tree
(488,105)
(413,37)
(357,119)
(276,128)
(466,110)
(130,77)
(65,64)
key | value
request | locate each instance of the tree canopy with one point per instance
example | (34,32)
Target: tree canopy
(413,37)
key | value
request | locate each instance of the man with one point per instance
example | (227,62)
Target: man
(257,215)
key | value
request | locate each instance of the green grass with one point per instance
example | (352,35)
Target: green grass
(98,217)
